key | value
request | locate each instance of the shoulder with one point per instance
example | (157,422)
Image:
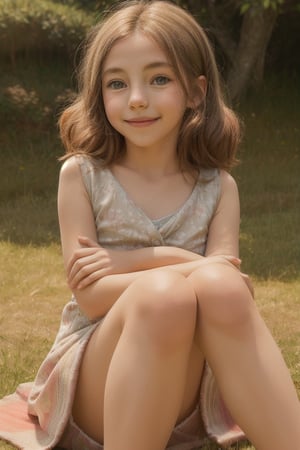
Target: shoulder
(218,178)
(70,178)
(70,168)
(229,194)
(73,177)
(89,174)
(77,163)
(78,166)
(228,183)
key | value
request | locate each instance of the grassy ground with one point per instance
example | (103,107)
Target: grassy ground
(32,285)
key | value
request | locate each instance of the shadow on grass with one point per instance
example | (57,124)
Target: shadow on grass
(29,220)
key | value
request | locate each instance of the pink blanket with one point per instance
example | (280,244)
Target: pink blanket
(23,430)
(16,426)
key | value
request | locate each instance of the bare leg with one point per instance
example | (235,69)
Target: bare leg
(248,365)
(133,375)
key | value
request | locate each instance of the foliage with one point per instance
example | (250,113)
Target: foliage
(39,27)
(246,4)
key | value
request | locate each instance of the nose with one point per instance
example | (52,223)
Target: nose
(137,98)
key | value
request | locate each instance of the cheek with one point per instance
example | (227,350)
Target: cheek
(111,107)
(176,97)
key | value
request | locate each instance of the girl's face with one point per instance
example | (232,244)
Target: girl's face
(143,98)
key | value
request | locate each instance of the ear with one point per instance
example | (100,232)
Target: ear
(198,92)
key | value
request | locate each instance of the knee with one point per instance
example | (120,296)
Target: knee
(166,307)
(223,297)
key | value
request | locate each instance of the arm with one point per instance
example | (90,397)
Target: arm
(223,236)
(92,262)
(76,219)
(113,274)
(97,298)
(79,237)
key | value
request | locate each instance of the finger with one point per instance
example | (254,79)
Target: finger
(80,268)
(234,260)
(248,282)
(79,254)
(91,278)
(84,265)
(83,273)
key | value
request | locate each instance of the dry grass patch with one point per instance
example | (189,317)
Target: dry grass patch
(279,303)
(33,292)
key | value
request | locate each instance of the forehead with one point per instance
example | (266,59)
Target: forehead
(137,48)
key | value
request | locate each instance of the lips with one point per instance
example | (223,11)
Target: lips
(142,121)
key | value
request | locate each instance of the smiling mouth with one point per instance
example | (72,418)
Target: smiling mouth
(141,122)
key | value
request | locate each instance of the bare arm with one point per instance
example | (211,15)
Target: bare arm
(92,262)
(78,231)
(97,298)
(98,277)
(223,236)
(112,271)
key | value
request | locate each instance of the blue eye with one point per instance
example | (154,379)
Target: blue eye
(116,84)
(161,80)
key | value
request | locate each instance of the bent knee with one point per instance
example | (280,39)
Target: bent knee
(223,297)
(165,305)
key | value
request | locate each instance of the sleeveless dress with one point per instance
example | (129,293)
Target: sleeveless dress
(122,225)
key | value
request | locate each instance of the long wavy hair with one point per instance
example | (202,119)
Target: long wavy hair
(210,130)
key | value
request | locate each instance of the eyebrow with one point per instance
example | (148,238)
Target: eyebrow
(153,65)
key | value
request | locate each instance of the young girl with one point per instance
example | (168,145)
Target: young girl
(149,220)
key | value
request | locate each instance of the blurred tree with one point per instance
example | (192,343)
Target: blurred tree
(241,28)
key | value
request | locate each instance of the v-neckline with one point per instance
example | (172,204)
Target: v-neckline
(142,212)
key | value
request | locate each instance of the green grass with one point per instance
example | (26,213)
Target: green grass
(269,185)
(33,290)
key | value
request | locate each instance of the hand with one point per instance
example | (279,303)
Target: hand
(236,262)
(92,262)
(248,283)
(233,260)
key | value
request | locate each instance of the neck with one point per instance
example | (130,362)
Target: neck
(151,161)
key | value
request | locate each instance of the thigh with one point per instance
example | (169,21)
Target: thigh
(169,303)
(193,381)
(89,395)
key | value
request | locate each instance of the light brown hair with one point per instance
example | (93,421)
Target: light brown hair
(210,131)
